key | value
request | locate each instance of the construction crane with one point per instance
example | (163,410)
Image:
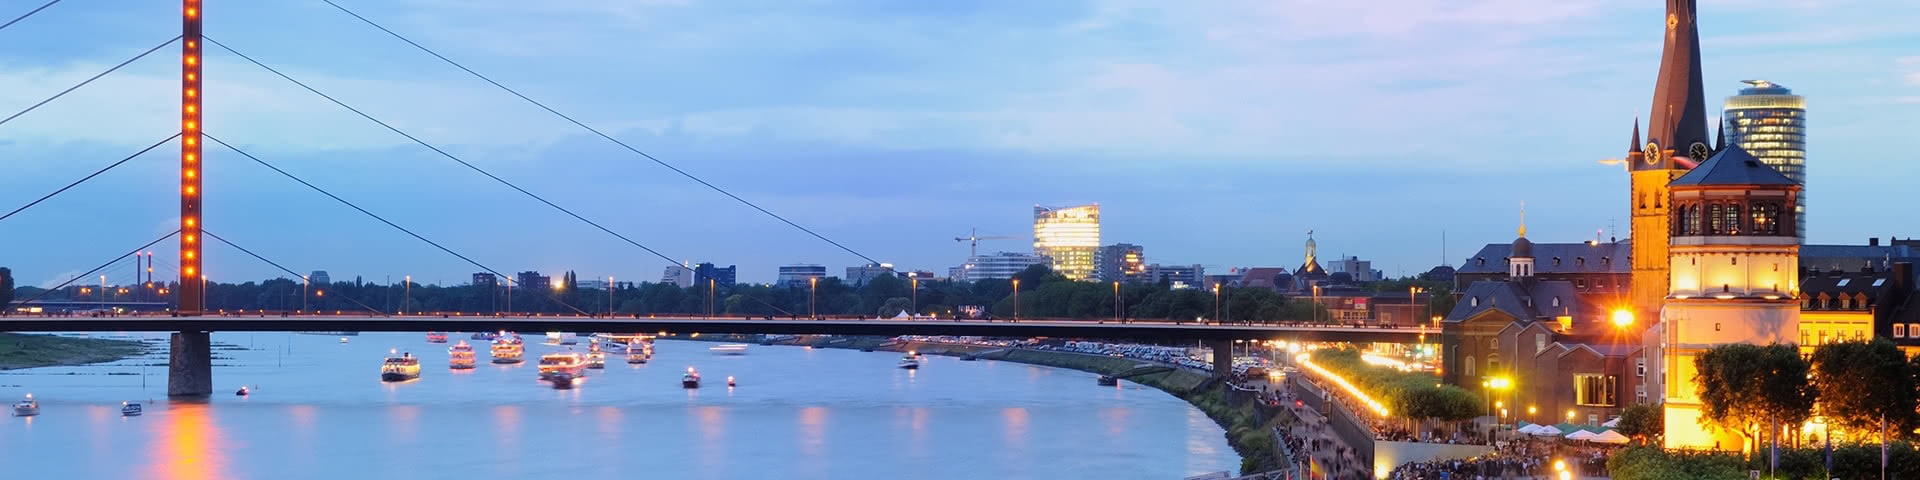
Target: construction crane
(973,239)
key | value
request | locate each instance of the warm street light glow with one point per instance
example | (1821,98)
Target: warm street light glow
(1622,318)
(1304,359)
(1500,383)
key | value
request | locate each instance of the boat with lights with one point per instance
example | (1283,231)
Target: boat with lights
(460,356)
(508,349)
(401,368)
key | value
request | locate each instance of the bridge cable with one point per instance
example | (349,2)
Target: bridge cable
(3,26)
(445,154)
(3,121)
(609,138)
(96,269)
(284,269)
(88,177)
(361,210)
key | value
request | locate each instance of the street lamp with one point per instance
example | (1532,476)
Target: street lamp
(813,288)
(406,301)
(304,283)
(915,279)
(1216,303)
(1116,301)
(609,296)
(1016,299)
(1622,318)
(1316,304)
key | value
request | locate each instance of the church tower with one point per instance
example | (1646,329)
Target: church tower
(1676,140)
(1735,271)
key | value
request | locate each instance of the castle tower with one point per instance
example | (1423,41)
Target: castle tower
(1676,140)
(1735,271)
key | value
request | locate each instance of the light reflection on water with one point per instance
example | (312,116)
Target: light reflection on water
(320,411)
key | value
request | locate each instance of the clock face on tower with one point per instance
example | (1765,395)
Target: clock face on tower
(1699,152)
(1653,153)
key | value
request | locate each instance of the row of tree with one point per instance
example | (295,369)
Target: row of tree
(1865,389)
(1417,397)
(1043,294)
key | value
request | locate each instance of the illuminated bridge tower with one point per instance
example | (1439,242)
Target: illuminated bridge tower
(1676,140)
(1735,264)
(190,354)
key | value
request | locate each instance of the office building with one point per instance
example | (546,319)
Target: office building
(1179,276)
(1356,269)
(533,279)
(706,273)
(1121,262)
(1770,122)
(486,280)
(678,275)
(1068,236)
(859,276)
(994,266)
(799,275)
(319,277)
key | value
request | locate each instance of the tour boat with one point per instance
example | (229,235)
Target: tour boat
(460,356)
(691,379)
(637,354)
(561,367)
(27,408)
(399,369)
(596,360)
(130,409)
(508,349)
(729,349)
(436,337)
(1107,381)
(910,361)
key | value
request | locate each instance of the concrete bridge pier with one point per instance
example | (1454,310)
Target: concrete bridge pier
(190,365)
(1222,357)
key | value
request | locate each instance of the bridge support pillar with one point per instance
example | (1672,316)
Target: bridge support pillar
(190,365)
(1222,357)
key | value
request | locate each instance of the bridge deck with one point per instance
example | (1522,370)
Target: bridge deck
(888,327)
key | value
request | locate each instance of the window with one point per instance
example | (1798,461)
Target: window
(1640,369)
(1473,301)
(1582,284)
(1714,224)
(1913,330)
(1580,261)
(1556,261)
(1539,342)
(1469,366)
(1594,390)
(1493,363)
(1556,300)
(1493,344)
(1899,330)
(1732,221)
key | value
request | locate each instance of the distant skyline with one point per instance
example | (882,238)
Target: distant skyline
(1215,136)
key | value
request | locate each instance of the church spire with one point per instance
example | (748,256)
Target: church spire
(1720,137)
(1678,118)
(1635,146)
(1523,219)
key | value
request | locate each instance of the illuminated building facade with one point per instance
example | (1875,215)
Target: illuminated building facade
(1121,262)
(994,266)
(1676,140)
(1070,236)
(1770,122)
(1735,279)
(794,276)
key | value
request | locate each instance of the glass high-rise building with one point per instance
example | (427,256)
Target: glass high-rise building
(1770,122)
(1070,236)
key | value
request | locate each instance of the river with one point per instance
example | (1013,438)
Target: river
(321,411)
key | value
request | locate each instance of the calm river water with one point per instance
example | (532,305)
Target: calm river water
(320,411)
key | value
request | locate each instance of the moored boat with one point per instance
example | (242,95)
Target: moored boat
(638,354)
(436,337)
(27,408)
(561,367)
(481,336)
(1107,381)
(130,409)
(399,369)
(691,379)
(729,349)
(910,361)
(508,349)
(460,356)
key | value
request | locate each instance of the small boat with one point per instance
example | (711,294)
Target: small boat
(343,339)
(910,361)
(460,356)
(399,369)
(1107,381)
(481,336)
(26,408)
(730,381)
(562,338)
(969,358)
(638,354)
(130,409)
(596,360)
(561,367)
(691,379)
(242,391)
(729,349)
(508,349)
(436,337)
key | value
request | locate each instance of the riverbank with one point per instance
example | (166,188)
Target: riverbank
(30,351)
(1248,431)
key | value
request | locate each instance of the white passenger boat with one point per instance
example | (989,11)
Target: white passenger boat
(729,349)
(26,408)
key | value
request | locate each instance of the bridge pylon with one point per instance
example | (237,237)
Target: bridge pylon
(190,365)
(192,275)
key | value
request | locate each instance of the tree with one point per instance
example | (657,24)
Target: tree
(6,290)
(1864,382)
(1744,386)
(1643,422)
(894,306)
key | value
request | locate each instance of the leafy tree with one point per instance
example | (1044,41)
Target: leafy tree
(6,290)
(1643,422)
(1744,386)
(894,306)
(1864,382)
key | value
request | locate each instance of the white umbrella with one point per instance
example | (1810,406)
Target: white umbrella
(1580,435)
(1529,429)
(1546,431)
(1614,423)
(1610,436)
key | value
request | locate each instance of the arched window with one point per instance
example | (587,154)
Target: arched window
(1493,363)
(1470,366)
(1733,219)
(1493,344)
(1556,301)
(1715,224)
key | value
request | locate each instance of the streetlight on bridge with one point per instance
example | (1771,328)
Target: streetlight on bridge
(1016,299)
(813,288)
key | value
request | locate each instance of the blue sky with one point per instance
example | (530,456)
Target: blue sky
(1215,135)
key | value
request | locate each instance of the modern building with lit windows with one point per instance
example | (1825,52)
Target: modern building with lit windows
(994,266)
(1121,262)
(1770,122)
(799,275)
(1070,236)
